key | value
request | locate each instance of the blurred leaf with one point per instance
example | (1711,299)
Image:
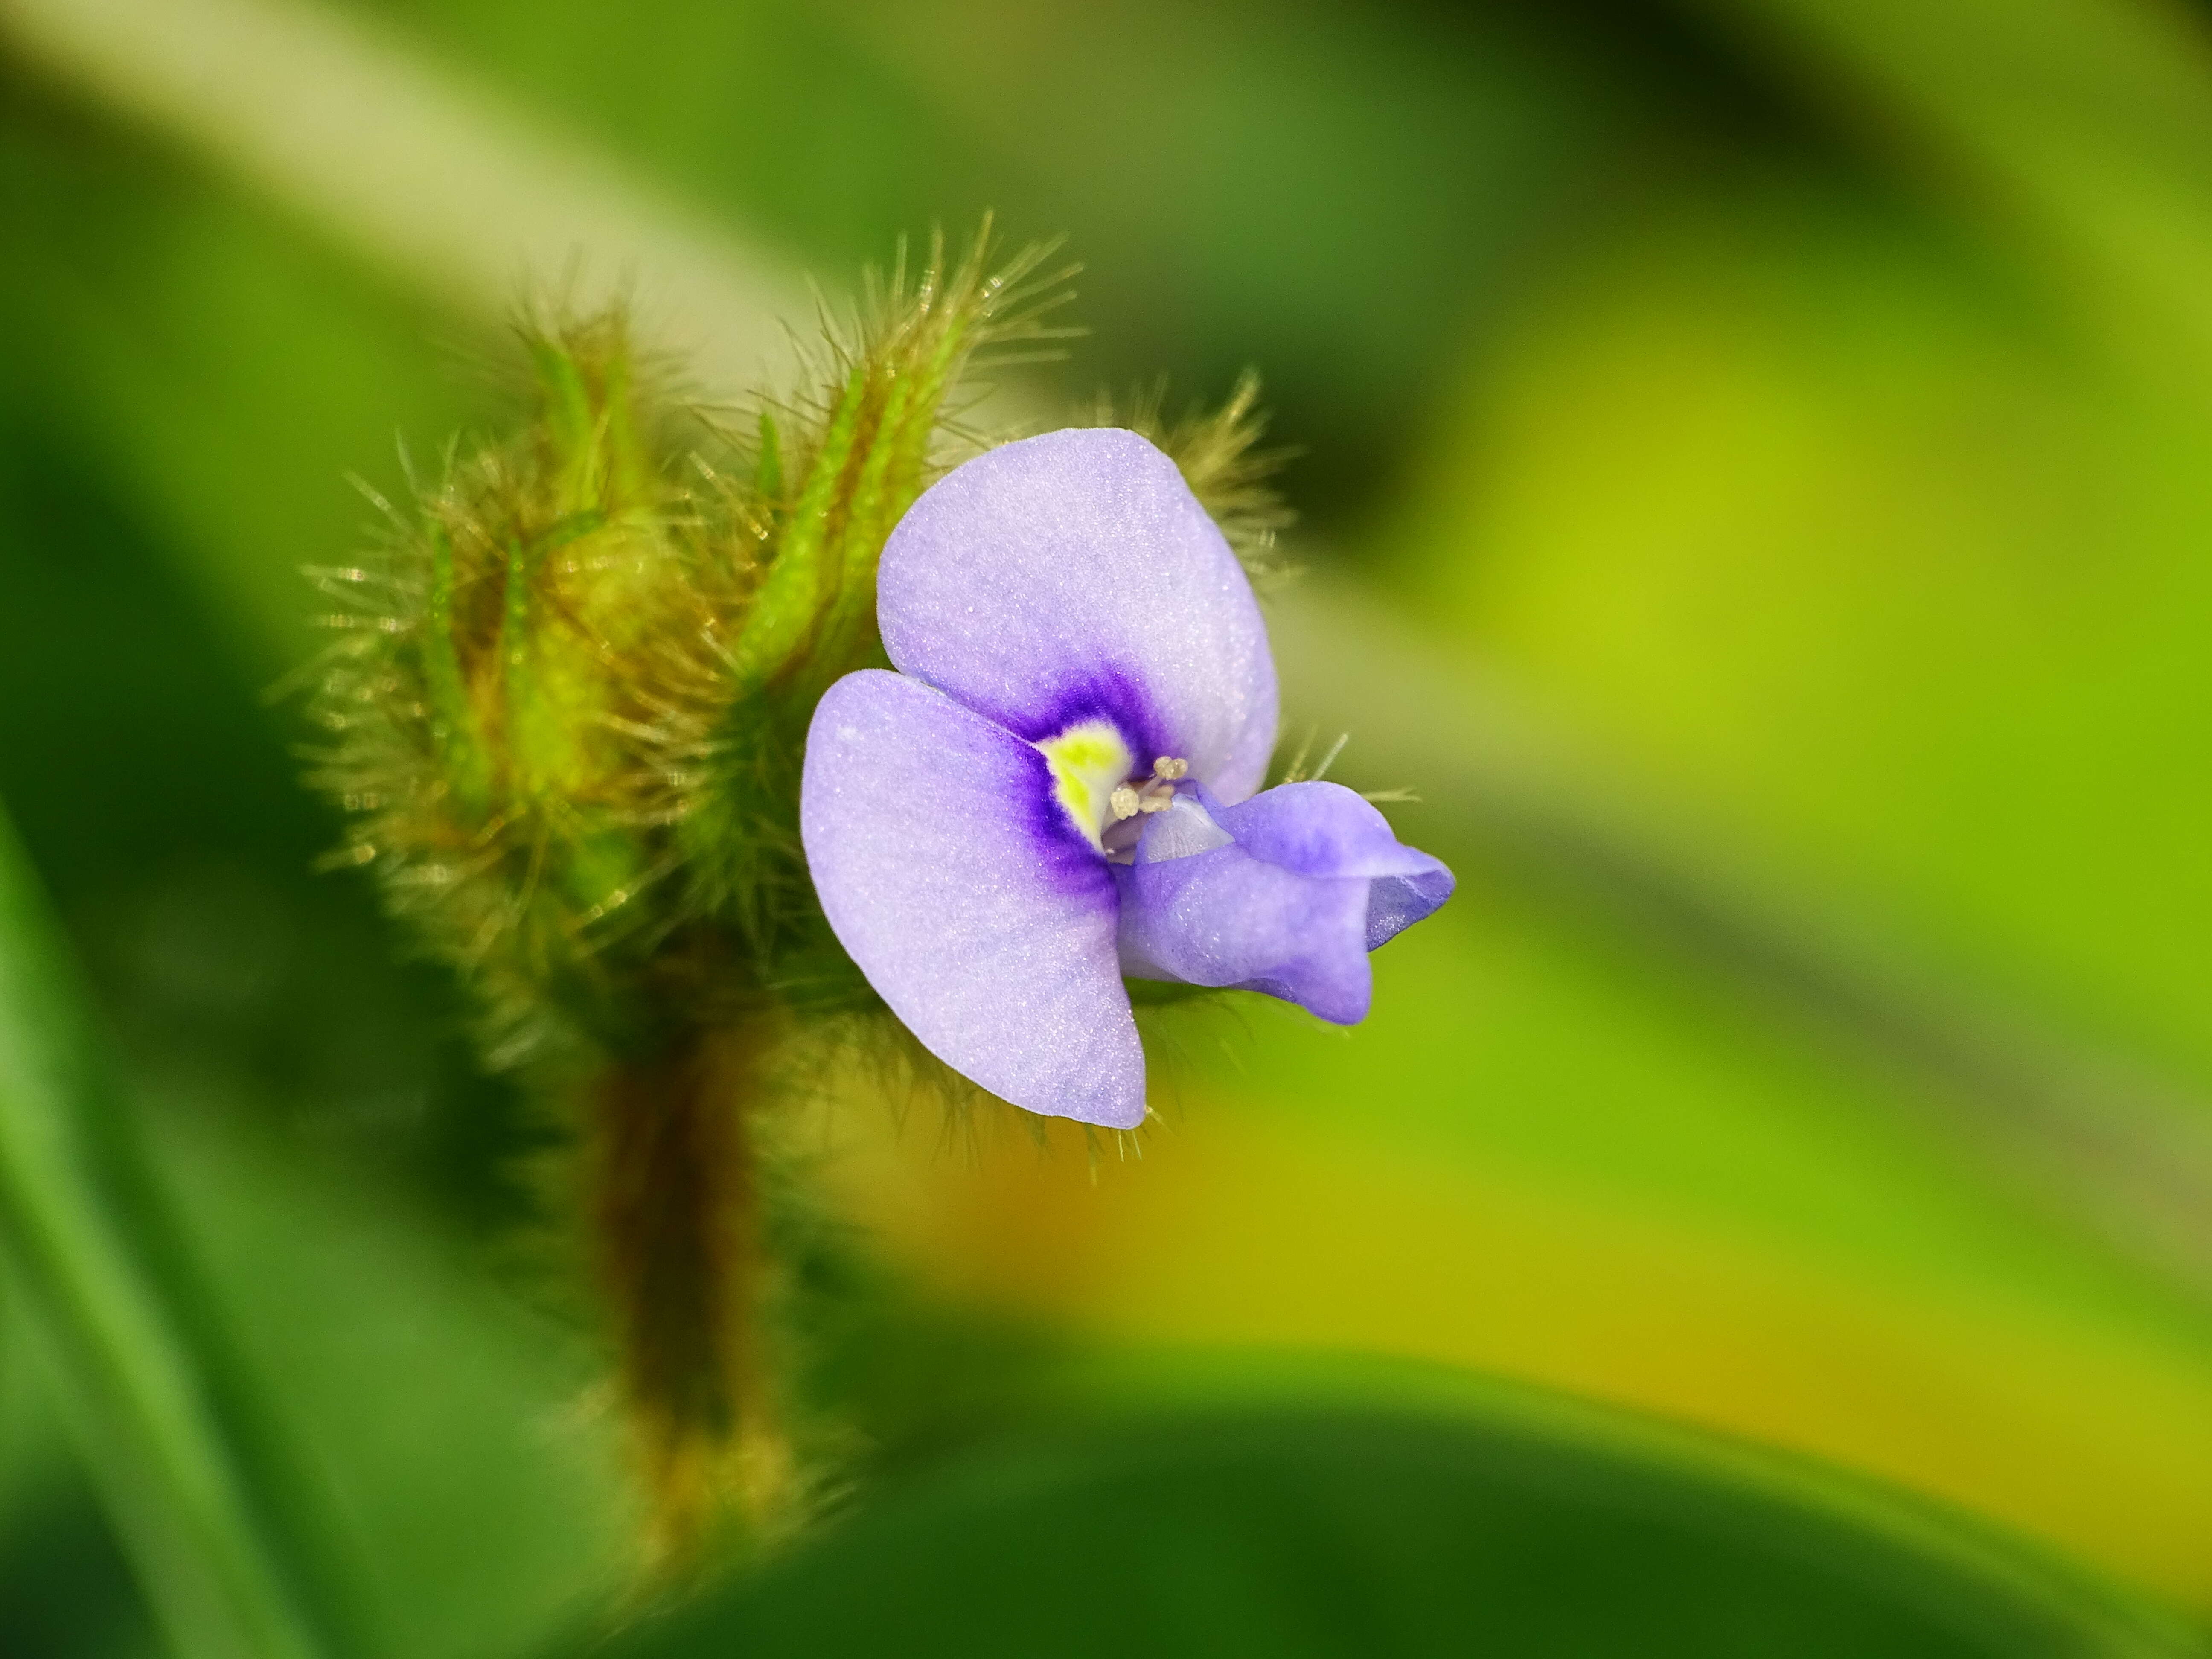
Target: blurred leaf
(224,374)
(1901,590)
(478,1463)
(1287,1531)
(1342,182)
(1541,1158)
(2078,132)
(1792,498)
(224,1539)
(65,1587)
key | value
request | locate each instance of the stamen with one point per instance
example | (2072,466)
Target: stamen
(1085,761)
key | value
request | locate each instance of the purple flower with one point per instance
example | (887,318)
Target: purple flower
(1056,788)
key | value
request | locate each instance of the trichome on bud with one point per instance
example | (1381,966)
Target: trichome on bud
(565,714)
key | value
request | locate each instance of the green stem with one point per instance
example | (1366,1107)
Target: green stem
(156,1398)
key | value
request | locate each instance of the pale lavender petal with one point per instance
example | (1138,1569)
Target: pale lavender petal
(1189,827)
(1074,576)
(1226,918)
(972,904)
(1321,830)
(1285,893)
(1325,829)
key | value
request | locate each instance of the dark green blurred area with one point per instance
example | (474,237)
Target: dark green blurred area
(1803,408)
(1323,1532)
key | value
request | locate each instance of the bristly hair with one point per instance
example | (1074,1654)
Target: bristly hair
(565,710)
(565,713)
(833,469)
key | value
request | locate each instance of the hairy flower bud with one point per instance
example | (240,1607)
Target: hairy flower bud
(565,716)
(566,713)
(567,708)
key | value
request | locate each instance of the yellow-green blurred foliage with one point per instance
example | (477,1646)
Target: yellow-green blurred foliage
(1757,493)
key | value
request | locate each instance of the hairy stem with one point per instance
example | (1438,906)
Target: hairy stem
(676,1206)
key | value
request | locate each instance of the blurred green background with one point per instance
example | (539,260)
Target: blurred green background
(1755,469)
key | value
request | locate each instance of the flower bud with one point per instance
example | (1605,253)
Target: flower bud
(565,716)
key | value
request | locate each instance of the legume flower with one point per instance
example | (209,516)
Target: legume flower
(1057,787)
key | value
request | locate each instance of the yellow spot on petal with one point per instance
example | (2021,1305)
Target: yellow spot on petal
(1088,761)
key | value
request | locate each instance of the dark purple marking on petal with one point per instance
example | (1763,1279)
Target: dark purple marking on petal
(1109,694)
(1061,851)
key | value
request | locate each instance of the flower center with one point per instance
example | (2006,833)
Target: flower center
(1093,779)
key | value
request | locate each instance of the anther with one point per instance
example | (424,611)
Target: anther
(1168,770)
(1123,802)
(1149,802)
